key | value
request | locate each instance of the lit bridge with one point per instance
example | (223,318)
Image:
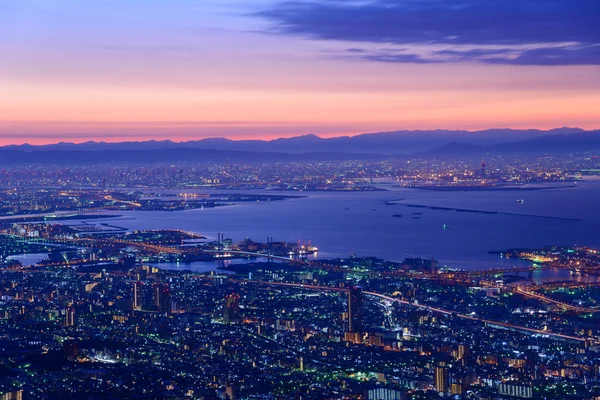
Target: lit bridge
(532,295)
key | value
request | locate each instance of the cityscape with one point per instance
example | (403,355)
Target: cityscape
(305,200)
(89,306)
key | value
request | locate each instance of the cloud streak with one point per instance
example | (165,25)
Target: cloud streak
(544,56)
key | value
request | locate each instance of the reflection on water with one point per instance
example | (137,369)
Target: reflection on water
(206,266)
(29,259)
(561,276)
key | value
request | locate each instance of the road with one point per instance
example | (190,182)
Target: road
(429,308)
(533,295)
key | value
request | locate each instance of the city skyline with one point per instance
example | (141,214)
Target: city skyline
(261,68)
(300,199)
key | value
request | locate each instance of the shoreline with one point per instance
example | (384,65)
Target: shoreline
(487,188)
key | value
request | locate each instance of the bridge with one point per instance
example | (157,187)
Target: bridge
(297,261)
(532,295)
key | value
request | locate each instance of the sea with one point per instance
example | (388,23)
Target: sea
(362,223)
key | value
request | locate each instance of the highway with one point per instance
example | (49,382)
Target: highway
(425,307)
(55,214)
(533,295)
(487,321)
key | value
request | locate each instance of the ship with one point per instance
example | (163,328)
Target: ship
(520,201)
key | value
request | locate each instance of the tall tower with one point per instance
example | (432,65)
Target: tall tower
(355,309)
(483,170)
(231,309)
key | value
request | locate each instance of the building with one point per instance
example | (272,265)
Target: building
(231,309)
(162,298)
(137,296)
(70,317)
(456,389)
(355,309)
(384,394)
(441,379)
(230,392)
(14,395)
(463,351)
(515,390)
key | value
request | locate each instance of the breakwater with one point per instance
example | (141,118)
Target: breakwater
(495,212)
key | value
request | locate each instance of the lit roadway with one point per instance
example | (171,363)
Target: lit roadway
(567,306)
(469,317)
(429,308)
(65,213)
(225,254)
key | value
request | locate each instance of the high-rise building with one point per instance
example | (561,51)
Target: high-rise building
(515,389)
(13,395)
(463,351)
(162,298)
(229,391)
(441,379)
(137,295)
(231,309)
(456,389)
(355,309)
(385,394)
(70,317)
(483,170)
(157,289)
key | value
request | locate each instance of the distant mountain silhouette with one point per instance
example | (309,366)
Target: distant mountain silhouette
(456,148)
(391,143)
(576,142)
(548,144)
(374,146)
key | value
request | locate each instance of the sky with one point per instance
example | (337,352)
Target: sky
(115,70)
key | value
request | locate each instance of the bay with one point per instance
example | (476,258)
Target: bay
(360,223)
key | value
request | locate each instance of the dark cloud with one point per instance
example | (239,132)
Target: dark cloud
(474,53)
(451,22)
(356,50)
(400,58)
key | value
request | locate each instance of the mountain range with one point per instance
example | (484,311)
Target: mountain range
(444,143)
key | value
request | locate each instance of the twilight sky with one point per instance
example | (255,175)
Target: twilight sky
(77,70)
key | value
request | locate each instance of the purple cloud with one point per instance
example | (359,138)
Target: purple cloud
(452,22)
